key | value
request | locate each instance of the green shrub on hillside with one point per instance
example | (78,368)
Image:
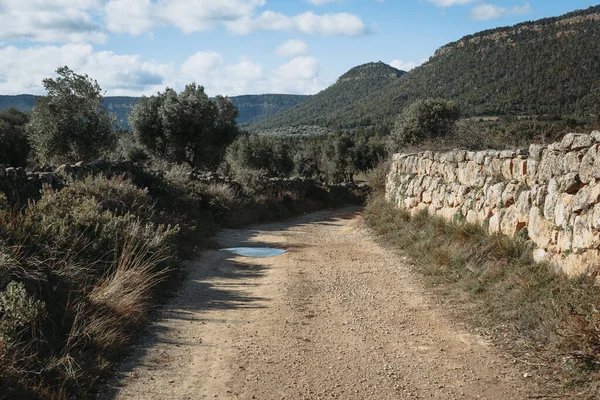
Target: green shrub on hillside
(425,120)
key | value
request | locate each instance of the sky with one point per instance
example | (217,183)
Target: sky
(234,47)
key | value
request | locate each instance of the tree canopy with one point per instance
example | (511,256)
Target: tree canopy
(14,146)
(186,127)
(425,120)
(70,124)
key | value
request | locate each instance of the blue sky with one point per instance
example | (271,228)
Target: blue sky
(233,47)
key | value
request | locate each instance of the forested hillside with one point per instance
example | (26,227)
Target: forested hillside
(359,84)
(252,108)
(550,66)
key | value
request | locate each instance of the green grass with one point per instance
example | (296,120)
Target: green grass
(528,307)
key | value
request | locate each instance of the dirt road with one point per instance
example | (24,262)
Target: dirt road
(337,316)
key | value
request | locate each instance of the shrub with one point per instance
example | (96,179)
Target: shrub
(425,120)
(14,145)
(70,123)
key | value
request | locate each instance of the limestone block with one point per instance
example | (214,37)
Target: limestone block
(426,197)
(540,229)
(576,141)
(510,193)
(460,155)
(550,166)
(523,203)
(519,168)
(540,255)
(447,213)
(493,196)
(551,199)
(583,236)
(538,195)
(479,157)
(588,196)
(512,221)
(586,168)
(563,212)
(532,171)
(472,217)
(432,210)
(572,161)
(508,154)
(471,175)
(595,221)
(536,151)
(494,168)
(428,155)
(496,221)
(565,241)
(595,135)
(582,142)
(569,183)
(470,156)
(507,169)
(410,202)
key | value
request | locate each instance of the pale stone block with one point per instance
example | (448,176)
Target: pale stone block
(540,255)
(586,168)
(507,169)
(583,236)
(496,221)
(563,212)
(536,151)
(540,229)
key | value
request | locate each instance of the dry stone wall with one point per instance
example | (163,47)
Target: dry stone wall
(550,194)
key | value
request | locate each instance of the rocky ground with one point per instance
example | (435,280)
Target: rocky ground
(337,316)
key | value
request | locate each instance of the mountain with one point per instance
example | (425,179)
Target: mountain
(359,84)
(252,108)
(549,66)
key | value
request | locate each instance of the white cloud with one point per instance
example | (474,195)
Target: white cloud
(130,16)
(141,16)
(24,69)
(307,23)
(50,20)
(320,2)
(300,75)
(292,48)
(404,65)
(486,12)
(449,3)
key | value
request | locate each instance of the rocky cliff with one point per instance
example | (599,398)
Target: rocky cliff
(550,194)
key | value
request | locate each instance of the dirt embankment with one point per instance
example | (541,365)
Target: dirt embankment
(337,316)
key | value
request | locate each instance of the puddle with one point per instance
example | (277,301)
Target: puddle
(256,252)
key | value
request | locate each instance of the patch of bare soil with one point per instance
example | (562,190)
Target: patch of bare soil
(337,316)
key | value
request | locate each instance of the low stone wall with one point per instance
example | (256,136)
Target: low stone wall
(20,186)
(550,194)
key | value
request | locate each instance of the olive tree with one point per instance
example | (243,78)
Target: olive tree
(186,127)
(14,145)
(424,120)
(70,123)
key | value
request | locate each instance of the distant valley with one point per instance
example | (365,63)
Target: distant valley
(252,108)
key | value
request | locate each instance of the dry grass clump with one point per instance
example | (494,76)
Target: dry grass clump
(77,273)
(548,314)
